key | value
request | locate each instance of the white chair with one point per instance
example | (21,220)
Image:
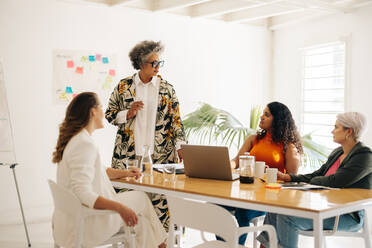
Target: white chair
(210,218)
(66,202)
(255,222)
(363,233)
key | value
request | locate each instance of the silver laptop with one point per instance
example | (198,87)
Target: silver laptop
(211,162)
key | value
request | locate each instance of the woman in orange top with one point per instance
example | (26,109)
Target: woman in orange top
(278,144)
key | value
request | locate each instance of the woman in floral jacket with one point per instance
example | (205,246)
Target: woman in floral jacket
(146,110)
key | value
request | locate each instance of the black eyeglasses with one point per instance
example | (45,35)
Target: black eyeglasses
(155,63)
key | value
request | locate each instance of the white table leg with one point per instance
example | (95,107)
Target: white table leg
(318,232)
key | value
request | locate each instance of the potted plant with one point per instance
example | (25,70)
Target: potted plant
(209,125)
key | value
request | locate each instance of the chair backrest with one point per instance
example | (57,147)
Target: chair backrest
(64,200)
(203,216)
(363,233)
(67,203)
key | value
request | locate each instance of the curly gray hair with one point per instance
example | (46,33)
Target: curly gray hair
(142,51)
(355,121)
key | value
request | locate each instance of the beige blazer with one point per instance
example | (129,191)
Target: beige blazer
(81,171)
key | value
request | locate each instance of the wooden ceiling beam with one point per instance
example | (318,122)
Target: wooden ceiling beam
(120,2)
(320,5)
(221,7)
(260,13)
(167,5)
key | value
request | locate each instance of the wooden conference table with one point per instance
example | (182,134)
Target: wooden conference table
(316,205)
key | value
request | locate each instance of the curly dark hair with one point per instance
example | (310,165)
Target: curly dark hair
(141,52)
(284,129)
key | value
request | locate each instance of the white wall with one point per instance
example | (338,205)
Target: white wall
(208,61)
(356,26)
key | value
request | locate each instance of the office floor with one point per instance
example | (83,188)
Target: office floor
(13,236)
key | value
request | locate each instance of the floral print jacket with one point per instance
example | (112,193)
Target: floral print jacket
(168,125)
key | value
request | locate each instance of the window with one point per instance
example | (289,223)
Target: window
(323,94)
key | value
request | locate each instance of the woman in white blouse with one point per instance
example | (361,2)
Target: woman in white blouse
(81,171)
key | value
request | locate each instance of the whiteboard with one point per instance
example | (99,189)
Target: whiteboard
(6,138)
(76,71)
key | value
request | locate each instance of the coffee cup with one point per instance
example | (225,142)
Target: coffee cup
(259,169)
(271,175)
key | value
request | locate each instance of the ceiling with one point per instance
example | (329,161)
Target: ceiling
(270,13)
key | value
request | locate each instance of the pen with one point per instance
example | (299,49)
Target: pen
(263,180)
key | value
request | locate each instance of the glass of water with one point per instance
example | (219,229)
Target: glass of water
(169,172)
(134,165)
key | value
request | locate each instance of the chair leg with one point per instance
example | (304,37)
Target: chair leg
(178,235)
(255,242)
(255,221)
(366,231)
(367,239)
(170,240)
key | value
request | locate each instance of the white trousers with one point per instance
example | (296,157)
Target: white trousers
(150,232)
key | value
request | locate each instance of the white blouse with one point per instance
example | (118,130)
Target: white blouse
(81,171)
(144,125)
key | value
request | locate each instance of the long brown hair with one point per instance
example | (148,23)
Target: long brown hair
(77,117)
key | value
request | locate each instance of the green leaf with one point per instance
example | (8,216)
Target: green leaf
(219,126)
(255,117)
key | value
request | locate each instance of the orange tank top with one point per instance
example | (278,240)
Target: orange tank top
(270,152)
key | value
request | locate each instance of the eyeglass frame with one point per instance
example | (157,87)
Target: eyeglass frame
(155,63)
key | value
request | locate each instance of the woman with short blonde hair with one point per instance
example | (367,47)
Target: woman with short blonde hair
(348,166)
(355,121)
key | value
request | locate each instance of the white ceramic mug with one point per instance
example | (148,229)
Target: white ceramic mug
(271,175)
(259,169)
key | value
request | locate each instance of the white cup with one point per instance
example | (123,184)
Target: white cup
(271,175)
(259,169)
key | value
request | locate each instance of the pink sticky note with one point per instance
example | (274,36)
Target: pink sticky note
(73,95)
(79,70)
(70,64)
(98,57)
(112,72)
